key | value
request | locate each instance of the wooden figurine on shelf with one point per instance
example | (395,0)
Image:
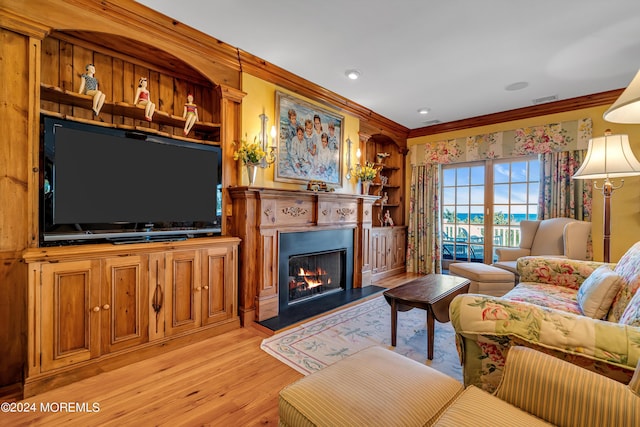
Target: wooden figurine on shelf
(142,98)
(384,199)
(380,157)
(388,221)
(383,182)
(190,114)
(89,86)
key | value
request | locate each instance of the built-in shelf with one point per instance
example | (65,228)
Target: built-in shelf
(385,166)
(126,127)
(377,184)
(389,186)
(210,131)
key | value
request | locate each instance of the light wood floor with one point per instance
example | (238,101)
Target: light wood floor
(223,381)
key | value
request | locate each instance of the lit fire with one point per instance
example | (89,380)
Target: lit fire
(313,278)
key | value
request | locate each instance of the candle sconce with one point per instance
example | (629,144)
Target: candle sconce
(351,169)
(270,151)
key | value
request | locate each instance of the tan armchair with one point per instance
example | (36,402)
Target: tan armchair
(557,237)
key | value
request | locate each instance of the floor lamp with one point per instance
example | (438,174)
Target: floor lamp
(609,156)
(626,109)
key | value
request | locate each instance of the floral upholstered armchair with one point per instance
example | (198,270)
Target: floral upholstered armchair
(585,312)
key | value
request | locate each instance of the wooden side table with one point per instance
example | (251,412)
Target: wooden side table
(432,293)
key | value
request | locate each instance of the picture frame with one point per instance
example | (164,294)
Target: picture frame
(308,156)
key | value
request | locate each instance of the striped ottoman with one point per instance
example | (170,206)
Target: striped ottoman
(374,387)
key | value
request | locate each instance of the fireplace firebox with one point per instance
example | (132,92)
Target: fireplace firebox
(315,274)
(313,265)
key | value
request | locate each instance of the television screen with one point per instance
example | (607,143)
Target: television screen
(104,178)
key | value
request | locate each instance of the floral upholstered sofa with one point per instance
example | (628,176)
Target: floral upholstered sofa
(585,312)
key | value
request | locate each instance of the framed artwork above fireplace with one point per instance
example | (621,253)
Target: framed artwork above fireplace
(309,142)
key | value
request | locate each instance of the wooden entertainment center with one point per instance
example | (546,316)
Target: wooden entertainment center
(98,307)
(72,311)
(95,307)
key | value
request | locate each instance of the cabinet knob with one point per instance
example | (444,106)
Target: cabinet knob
(106,307)
(206,286)
(96,309)
(198,288)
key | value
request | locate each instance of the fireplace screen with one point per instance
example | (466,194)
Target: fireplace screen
(312,275)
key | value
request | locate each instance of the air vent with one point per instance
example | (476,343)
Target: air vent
(431,122)
(545,99)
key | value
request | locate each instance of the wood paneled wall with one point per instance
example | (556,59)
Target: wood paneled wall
(64,59)
(17,60)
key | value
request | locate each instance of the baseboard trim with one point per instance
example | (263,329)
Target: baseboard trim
(11,392)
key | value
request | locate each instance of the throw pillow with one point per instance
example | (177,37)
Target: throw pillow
(631,314)
(597,292)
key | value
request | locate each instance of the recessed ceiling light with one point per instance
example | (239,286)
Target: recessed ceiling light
(352,74)
(516,86)
(423,111)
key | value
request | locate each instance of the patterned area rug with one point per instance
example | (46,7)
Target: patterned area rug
(319,343)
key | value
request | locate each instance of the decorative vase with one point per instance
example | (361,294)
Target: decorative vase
(251,172)
(365,187)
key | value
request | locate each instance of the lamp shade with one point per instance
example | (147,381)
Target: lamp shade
(608,156)
(626,109)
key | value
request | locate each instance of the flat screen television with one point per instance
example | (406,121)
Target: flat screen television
(103,183)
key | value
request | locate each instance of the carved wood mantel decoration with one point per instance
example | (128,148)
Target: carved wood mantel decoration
(294,211)
(344,213)
(261,214)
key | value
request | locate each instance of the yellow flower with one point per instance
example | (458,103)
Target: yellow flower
(249,153)
(367,172)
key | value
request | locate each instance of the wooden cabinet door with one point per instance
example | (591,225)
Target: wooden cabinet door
(367,252)
(377,251)
(70,310)
(183,290)
(399,248)
(124,308)
(389,250)
(218,301)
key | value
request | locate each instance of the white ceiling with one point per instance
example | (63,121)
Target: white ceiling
(455,57)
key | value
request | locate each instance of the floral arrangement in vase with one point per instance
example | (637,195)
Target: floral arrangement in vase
(249,153)
(367,172)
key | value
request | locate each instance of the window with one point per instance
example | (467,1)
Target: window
(466,206)
(516,185)
(463,200)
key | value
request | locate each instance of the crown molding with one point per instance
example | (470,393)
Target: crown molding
(271,73)
(588,101)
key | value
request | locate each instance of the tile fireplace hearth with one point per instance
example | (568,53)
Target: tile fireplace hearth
(295,314)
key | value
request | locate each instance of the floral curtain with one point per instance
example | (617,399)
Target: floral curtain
(553,137)
(423,233)
(561,196)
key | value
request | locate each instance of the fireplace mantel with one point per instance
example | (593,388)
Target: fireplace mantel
(260,214)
